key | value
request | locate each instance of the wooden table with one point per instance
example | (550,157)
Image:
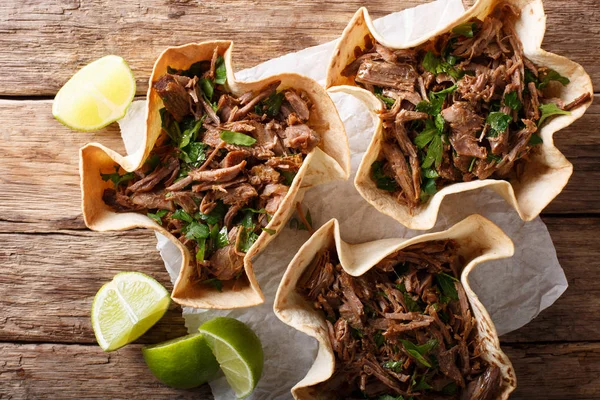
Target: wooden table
(51,266)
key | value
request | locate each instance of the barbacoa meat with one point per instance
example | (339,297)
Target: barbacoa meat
(221,168)
(397,330)
(467,99)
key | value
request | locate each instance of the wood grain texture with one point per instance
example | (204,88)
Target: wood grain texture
(48,281)
(49,371)
(29,371)
(41,42)
(40,180)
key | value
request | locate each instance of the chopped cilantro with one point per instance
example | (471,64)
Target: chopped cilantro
(388,101)
(381,180)
(183,216)
(547,75)
(208,87)
(434,153)
(197,231)
(512,100)
(395,366)
(550,110)
(498,122)
(288,177)
(222,238)
(421,385)
(273,104)
(535,140)
(379,339)
(220,71)
(465,29)
(237,138)
(436,65)
(193,154)
(201,249)
(418,352)
(494,157)
(429,187)
(446,284)
(214,216)
(430,173)
(116,178)
(269,231)
(472,164)
(157,216)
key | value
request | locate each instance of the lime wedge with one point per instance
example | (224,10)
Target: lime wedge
(126,307)
(238,351)
(97,95)
(182,363)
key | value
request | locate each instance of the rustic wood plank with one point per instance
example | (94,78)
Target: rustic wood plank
(40,178)
(572,317)
(41,42)
(48,371)
(48,281)
(66,371)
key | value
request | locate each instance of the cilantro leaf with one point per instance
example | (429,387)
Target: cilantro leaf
(436,65)
(465,29)
(425,137)
(201,249)
(434,153)
(193,154)
(237,138)
(449,90)
(288,177)
(182,216)
(550,110)
(430,173)
(535,140)
(158,215)
(379,339)
(247,239)
(446,284)
(153,161)
(498,122)
(432,107)
(419,352)
(116,178)
(512,100)
(222,238)
(220,71)
(170,125)
(269,231)
(273,104)
(197,231)
(395,366)
(208,88)
(308,219)
(214,216)
(548,75)
(381,180)
(494,157)
(429,187)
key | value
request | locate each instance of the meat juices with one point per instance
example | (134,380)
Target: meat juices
(404,328)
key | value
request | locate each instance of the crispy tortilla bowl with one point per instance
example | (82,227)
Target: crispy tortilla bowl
(329,161)
(478,240)
(546,171)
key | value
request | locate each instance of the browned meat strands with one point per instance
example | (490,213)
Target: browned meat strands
(221,167)
(465,105)
(404,328)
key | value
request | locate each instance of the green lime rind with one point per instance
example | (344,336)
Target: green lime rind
(182,363)
(238,350)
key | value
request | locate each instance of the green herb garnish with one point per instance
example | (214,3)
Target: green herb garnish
(116,178)
(550,110)
(465,29)
(237,138)
(498,122)
(381,180)
(512,100)
(545,76)
(220,71)
(158,215)
(418,352)
(214,282)
(446,284)
(182,216)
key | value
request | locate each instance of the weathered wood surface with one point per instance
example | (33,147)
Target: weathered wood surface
(48,282)
(40,178)
(42,43)
(31,371)
(51,266)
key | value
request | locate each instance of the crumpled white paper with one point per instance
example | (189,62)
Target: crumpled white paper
(513,290)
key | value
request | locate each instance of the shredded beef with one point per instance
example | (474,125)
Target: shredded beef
(397,331)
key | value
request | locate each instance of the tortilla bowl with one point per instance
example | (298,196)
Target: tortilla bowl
(547,171)
(479,241)
(329,161)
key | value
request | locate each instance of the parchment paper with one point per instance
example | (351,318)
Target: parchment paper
(514,290)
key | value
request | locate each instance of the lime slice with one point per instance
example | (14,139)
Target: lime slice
(97,95)
(182,363)
(238,351)
(126,307)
